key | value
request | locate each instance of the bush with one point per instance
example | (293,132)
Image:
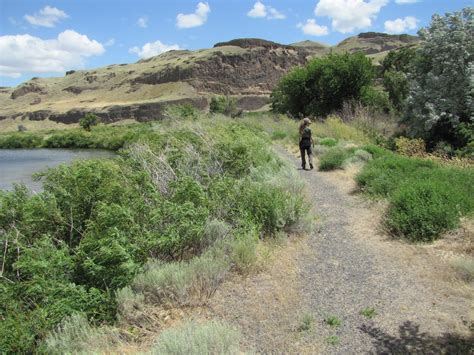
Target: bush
(410,147)
(382,176)
(180,283)
(323,85)
(196,339)
(75,335)
(333,159)
(88,121)
(223,104)
(422,210)
(20,140)
(328,142)
(244,252)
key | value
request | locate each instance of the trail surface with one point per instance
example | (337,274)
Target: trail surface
(353,268)
(345,267)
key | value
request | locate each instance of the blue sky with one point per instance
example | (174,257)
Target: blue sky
(47,37)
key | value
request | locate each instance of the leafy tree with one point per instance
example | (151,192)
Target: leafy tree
(323,85)
(440,104)
(223,104)
(88,121)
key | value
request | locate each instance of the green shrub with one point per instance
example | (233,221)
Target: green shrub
(279,135)
(75,335)
(422,210)
(244,252)
(333,159)
(223,104)
(20,140)
(88,121)
(328,142)
(382,176)
(196,339)
(180,283)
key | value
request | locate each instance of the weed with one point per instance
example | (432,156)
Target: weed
(244,252)
(333,321)
(306,322)
(464,267)
(333,159)
(368,312)
(333,340)
(328,142)
(195,339)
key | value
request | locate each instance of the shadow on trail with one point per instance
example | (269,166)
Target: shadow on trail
(411,341)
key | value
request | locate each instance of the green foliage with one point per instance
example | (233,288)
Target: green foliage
(306,322)
(375,99)
(223,104)
(333,321)
(441,89)
(323,85)
(75,335)
(396,85)
(333,159)
(19,140)
(88,121)
(196,339)
(172,194)
(422,210)
(425,199)
(328,142)
(333,340)
(368,312)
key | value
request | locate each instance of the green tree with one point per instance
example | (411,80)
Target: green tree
(323,85)
(88,121)
(440,104)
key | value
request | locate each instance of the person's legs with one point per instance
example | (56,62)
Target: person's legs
(303,158)
(310,157)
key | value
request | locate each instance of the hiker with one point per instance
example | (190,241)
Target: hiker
(306,142)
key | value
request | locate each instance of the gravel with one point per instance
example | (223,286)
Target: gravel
(347,272)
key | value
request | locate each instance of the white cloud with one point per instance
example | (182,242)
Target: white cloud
(259,10)
(110,42)
(401,25)
(311,28)
(47,17)
(142,22)
(407,1)
(152,48)
(26,53)
(198,18)
(349,15)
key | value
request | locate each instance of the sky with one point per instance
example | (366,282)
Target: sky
(45,38)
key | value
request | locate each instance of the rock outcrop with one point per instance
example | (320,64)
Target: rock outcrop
(247,69)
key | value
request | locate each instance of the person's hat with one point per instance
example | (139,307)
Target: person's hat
(306,120)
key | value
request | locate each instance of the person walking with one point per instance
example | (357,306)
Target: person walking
(306,143)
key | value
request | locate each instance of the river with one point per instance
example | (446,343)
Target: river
(18,165)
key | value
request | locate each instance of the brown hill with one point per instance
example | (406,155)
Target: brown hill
(245,68)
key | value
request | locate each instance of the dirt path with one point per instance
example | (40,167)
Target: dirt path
(347,266)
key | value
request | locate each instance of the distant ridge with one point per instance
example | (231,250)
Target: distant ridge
(246,68)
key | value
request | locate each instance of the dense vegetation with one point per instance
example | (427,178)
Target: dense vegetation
(323,85)
(105,233)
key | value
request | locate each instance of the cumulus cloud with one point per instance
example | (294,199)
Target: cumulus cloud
(142,22)
(311,28)
(401,25)
(349,15)
(259,10)
(47,17)
(198,18)
(152,48)
(407,1)
(26,53)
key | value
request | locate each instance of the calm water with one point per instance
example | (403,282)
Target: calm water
(18,165)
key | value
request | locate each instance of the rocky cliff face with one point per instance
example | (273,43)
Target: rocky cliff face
(246,68)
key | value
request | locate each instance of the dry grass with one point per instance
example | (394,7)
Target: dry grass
(11,125)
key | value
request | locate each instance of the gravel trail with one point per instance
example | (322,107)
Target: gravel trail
(350,269)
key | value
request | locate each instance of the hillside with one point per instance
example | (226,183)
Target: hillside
(245,68)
